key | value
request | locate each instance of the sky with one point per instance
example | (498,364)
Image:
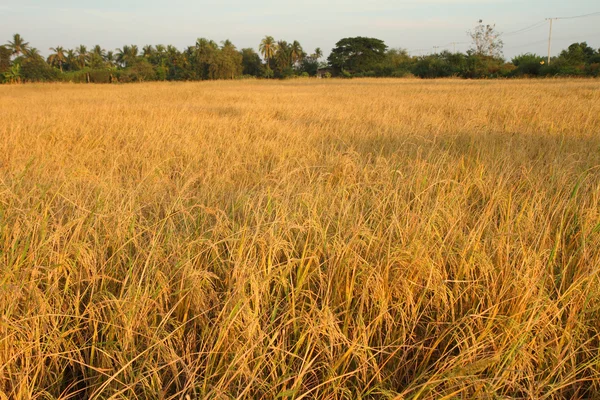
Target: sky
(410,24)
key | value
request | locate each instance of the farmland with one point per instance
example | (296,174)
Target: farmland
(366,238)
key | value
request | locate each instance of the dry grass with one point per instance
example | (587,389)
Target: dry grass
(306,239)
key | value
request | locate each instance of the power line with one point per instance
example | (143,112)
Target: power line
(563,18)
(534,26)
(581,16)
(559,38)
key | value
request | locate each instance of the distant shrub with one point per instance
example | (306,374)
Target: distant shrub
(528,64)
(161,73)
(268,73)
(100,76)
(287,73)
(400,73)
(37,70)
(593,70)
(560,67)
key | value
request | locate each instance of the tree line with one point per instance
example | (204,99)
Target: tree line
(351,57)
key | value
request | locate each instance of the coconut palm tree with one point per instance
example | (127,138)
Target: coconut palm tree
(127,55)
(32,53)
(159,57)
(318,53)
(268,48)
(110,58)
(122,53)
(71,57)
(18,45)
(96,57)
(99,51)
(82,56)
(58,57)
(148,51)
(296,52)
(284,54)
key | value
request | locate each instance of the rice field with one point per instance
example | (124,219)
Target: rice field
(303,239)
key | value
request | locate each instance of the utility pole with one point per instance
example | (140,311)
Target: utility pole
(550,38)
(435,49)
(454,47)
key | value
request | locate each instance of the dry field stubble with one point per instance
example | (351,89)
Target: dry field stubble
(302,239)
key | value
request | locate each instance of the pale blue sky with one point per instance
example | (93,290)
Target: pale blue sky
(408,24)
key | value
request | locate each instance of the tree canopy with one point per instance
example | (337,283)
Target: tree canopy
(357,54)
(351,57)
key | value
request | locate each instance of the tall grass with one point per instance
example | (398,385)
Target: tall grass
(304,239)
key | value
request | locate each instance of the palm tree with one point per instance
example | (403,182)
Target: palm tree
(18,45)
(268,48)
(110,58)
(296,52)
(148,51)
(58,57)
(122,54)
(96,57)
(318,53)
(127,55)
(99,51)
(71,59)
(82,56)
(32,53)
(284,54)
(160,55)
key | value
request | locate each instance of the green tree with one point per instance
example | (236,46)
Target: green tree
(96,58)
(227,62)
(397,63)
(98,51)
(35,69)
(283,56)
(127,56)
(71,60)
(110,59)
(202,56)
(578,53)
(268,48)
(296,52)
(148,51)
(141,71)
(528,64)
(82,56)
(251,62)
(18,45)
(318,54)
(58,58)
(32,53)
(483,66)
(5,55)
(357,54)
